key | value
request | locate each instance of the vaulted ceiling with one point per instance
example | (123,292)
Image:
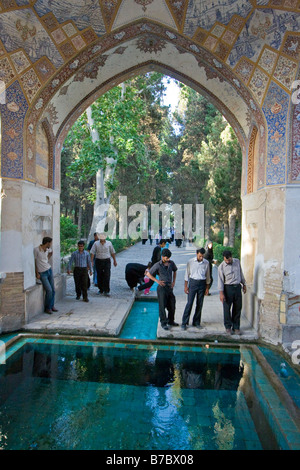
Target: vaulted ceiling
(56,56)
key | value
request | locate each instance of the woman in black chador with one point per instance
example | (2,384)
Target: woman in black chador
(209,255)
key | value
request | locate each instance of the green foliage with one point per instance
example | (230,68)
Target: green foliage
(67,228)
(121,244)
(116,116)
(68,235)
(218,250)
(200,163)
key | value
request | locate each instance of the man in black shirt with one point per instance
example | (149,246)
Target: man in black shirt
(156,256)
(166,270)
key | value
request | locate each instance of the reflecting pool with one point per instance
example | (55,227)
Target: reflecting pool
(68,394)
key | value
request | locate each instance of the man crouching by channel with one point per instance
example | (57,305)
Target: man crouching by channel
(166,270)
(230,278)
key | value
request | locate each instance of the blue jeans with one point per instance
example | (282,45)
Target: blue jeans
(48,284)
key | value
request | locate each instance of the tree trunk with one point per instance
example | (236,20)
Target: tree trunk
(226,230)
(232,220)
(207,226)
(79,221)
(102,198)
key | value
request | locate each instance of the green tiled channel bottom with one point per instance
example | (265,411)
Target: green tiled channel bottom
(141,322)
(45,413)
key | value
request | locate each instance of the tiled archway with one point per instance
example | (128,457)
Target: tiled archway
(56,58)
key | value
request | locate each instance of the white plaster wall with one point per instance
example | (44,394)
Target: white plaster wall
(29,212)
(263,258)
(11,228)
(292,240)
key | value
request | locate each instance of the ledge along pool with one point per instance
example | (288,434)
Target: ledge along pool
(137,393)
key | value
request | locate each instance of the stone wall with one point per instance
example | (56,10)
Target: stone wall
(270,257)
(28,213)
(12,302)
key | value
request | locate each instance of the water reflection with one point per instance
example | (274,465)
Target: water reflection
(118,398)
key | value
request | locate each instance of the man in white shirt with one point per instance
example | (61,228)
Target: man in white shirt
(196,283)
(43,271)
(103,250)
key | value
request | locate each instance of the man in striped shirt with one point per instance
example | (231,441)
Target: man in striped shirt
(82,261)
(230,280)
(103,250)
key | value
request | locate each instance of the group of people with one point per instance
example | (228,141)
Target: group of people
(162,270)
(97,260)
(197,283)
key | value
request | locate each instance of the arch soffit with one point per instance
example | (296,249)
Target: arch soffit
(168,51)
(143,68)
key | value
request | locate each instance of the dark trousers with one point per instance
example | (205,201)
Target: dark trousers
(81,279)
(146,285)
(232,306)
(166,300)
(196,289)
(103,274)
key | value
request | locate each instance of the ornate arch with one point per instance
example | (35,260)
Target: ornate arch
(161,45)
(250,163)
(50,137)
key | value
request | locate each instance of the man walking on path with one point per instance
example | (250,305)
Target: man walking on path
(82,260)
(230,278)
(43,271)
(103,250)
(196,283)
(166,271)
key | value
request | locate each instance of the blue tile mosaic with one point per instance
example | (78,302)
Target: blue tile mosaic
(275,108)
(12,120)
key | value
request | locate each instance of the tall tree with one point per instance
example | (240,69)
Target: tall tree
(210,161)
(117,143)
(103,137)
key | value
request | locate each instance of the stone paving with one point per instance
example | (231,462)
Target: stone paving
(105,316)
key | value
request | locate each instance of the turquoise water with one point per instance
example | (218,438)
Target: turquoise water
(142,321)
(62,395)
(57,394)
(291,381)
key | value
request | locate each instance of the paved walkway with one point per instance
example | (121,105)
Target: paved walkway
(105,316)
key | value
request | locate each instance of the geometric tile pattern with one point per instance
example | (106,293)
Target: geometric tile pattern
(294,170)
(275,108)
(13,112)
(244,69)
(267,60)
(258,41)
(20,61)
(285,71)
(258,84)
(30,83)
(6,71)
